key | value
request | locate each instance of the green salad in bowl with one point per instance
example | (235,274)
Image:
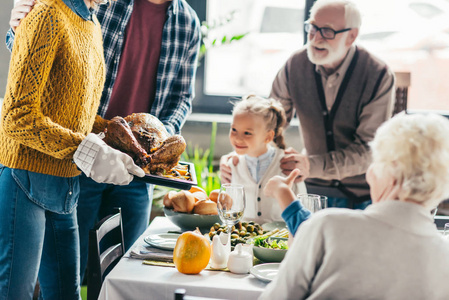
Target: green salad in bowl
(269,249)
(270,242)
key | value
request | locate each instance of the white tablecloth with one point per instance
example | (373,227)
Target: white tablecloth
(131,279)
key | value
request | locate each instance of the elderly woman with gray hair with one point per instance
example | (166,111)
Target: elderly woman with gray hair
(392,250)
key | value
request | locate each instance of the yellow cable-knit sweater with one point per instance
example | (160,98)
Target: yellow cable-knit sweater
(55,80)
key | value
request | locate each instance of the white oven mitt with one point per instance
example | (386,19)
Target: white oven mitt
(103,163)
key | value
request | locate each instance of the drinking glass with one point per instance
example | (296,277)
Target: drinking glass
(323,200)
(446,230)
(231,204)
(311,201)
(434,211)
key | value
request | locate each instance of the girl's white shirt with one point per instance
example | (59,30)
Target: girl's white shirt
(259,208)
(257,166)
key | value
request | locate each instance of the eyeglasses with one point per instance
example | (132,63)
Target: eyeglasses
(326,32)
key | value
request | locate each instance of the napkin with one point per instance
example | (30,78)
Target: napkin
(171,264)
(151,253)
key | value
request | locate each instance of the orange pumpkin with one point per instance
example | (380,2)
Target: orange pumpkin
(192,252)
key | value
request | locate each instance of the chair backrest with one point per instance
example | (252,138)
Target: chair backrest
(104,254)
(440,221)
(402,85)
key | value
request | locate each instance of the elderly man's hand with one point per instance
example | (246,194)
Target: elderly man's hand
(225,170)
(294,160)
(20,10)
(280,188)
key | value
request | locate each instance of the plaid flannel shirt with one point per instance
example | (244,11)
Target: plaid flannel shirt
(175,81)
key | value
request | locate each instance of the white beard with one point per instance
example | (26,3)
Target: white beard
(333,55)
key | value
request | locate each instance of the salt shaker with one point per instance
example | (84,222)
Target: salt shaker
(240,261)
(221,248)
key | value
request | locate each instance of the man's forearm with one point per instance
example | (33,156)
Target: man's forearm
(336,165)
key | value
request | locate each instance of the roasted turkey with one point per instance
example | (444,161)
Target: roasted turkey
(145,139)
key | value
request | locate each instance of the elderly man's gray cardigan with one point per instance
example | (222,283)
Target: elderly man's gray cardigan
(336,140)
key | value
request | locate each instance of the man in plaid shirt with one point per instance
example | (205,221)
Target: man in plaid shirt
(151,49)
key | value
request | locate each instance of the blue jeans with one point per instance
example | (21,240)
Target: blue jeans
(38,235)
(97,201)
(343,202)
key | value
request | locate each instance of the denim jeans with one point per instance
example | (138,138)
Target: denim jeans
(343,202)
(38,235)
(97,201)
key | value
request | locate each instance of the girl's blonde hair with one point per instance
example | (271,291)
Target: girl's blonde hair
(270,110)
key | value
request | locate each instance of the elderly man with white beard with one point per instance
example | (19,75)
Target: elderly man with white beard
(341,94)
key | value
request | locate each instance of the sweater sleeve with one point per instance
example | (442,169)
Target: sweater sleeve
(294,215)
(300,264)
(281,92)
(99,125)
(178,104)
(34,51)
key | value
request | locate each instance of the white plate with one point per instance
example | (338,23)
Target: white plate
(164,241)
(273,225)
(265,272)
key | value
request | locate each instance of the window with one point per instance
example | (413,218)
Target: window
(426,10)
(290,17)
(410,35)
(250,64)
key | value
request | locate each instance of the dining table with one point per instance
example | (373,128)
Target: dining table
(132,279)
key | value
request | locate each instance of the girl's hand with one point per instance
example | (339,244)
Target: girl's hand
(225,169)
(20,10)
(280,188)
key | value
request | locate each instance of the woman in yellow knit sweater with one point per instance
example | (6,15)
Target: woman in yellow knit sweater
(54,86)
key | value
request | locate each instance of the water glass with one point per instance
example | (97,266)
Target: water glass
(311,201)
(231,204)
(323,200)
(434,211)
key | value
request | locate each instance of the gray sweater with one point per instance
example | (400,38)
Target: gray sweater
(336,140)
(391,250)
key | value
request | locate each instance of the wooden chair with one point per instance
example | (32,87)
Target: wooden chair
(402,85)
(440,221)
(102,259)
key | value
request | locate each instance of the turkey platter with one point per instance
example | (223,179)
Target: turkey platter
(143,137)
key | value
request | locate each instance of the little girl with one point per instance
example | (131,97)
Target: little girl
(257,122)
